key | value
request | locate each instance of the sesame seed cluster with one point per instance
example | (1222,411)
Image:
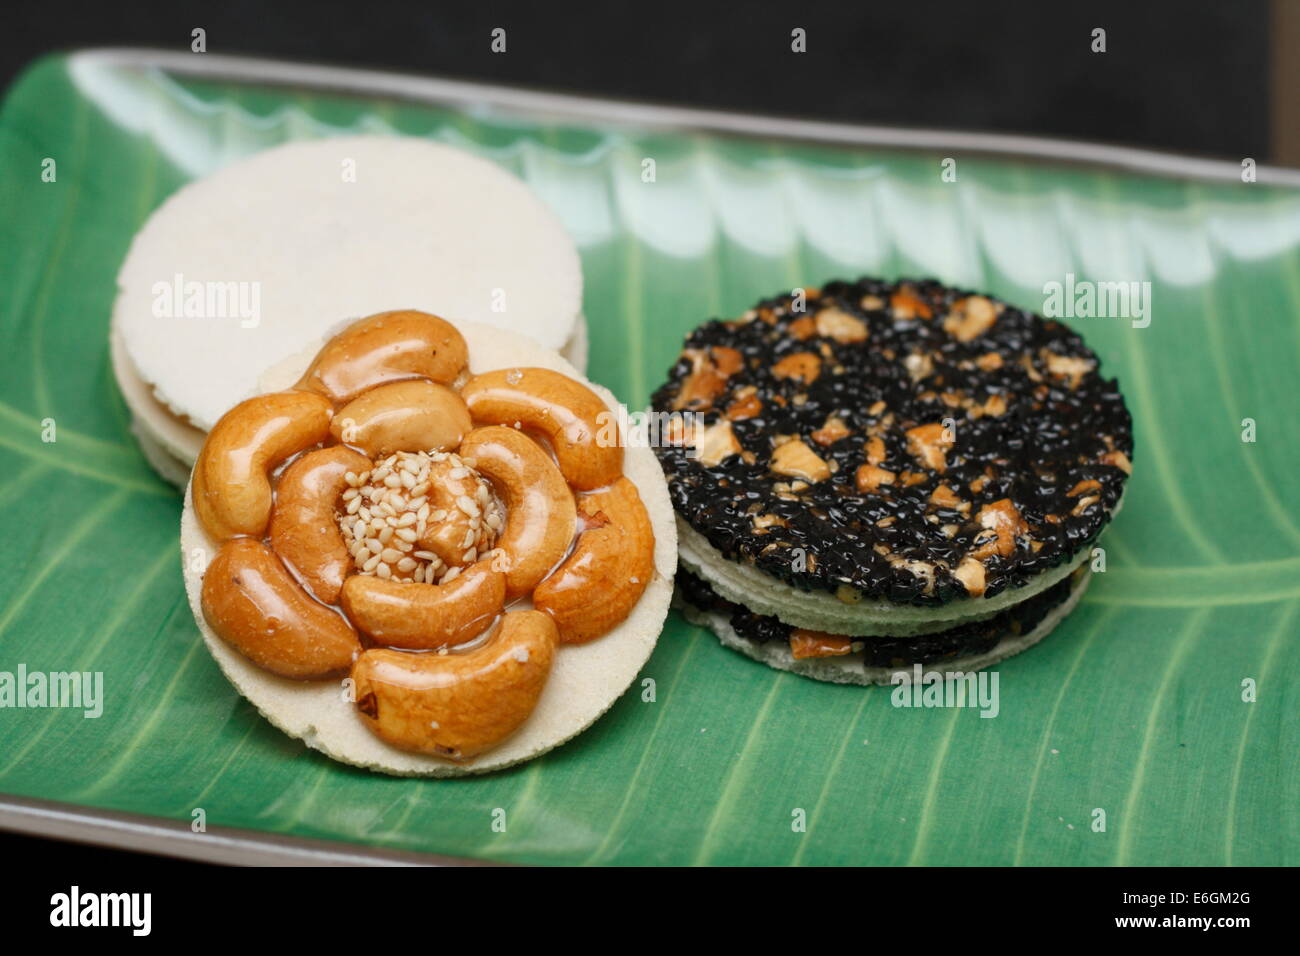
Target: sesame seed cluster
(418,516)
(899,440)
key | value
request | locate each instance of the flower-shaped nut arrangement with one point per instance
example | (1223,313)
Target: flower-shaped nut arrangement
(435,536)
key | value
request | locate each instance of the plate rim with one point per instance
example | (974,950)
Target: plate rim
(430,88)
(159,836)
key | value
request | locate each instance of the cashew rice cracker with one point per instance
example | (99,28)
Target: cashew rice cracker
(585,678)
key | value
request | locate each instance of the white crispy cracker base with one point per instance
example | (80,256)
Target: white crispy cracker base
(585,679)
(744,584)
(328,230)
(849,669)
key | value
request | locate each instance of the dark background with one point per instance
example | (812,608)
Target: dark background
(1214,78)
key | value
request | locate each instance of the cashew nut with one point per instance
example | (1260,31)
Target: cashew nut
(404,416)
(540,511)
(231,492)
(457,705)
(303,530)
(385,348)
(459,528)
(570,416)
(600,583)
(252,601)
(425,616)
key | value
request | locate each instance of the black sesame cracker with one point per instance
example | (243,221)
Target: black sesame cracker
(1036,427)
(964,640)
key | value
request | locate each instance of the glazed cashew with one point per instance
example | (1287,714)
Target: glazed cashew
(425,616)
(458,529)
(231,492)
(597,587)
(403,416)
(385,348)
(540,512)
(457,705)
(568,414)
(252,601)
(303,529)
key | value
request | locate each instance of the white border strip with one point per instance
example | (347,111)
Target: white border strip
(628,113)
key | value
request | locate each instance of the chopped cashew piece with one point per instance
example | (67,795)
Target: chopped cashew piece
(945,497)
(797,460)
(710,369)
(837,324)
(1118,460)
(970,318)
(803,366)
(869,478)
(971,574)
(1064,366)
(908,305)
(1001,518)
(717,444)
(745,404)
(832,431)
(875,450)
(805,644)
(926,443)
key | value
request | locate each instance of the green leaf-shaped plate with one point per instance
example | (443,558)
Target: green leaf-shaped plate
(1134,707)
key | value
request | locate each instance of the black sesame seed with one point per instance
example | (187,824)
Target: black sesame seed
(1052,432)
